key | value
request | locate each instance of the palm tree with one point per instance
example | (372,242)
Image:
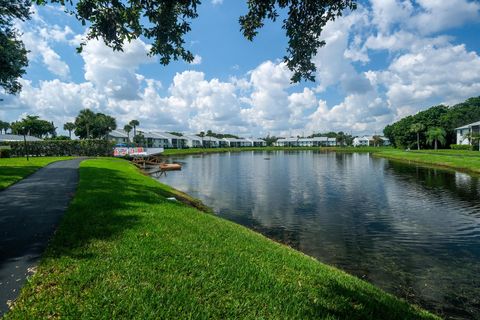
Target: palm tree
(417,128)
(69,126)
(134,124)
(86,118)
(377,140)
(4,126)
(127,129)
(436,135)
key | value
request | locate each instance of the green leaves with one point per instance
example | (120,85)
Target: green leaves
(303,27)
(90,125)
(13,55)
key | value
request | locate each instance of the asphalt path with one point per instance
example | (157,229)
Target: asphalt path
(30,211)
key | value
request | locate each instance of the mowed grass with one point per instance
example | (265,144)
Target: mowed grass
(123,251)
(170,152)
(468,161)
(15,169)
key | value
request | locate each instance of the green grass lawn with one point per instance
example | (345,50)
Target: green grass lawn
(169,152)
(123,251)
(15,169)
(468,161)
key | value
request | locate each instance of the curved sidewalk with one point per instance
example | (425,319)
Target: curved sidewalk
(30,211)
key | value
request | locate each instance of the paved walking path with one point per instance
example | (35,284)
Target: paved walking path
(30,211)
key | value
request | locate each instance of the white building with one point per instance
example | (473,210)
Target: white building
(118,136)
(193,141)
(210,142)
(367,141)
(257,142)
(175,142)
(462,132)
(237,143)
(306,142)
(17,138)
(156,140)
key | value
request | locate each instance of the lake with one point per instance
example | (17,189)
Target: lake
(411,230)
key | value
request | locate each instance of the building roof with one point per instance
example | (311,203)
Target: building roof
(467,126)
(287,140)
(210,138)
(14,137)
(118,133)
(235,140)
(192,137)
(255,140)
(166,135)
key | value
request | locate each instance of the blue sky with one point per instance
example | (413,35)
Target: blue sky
(386,60)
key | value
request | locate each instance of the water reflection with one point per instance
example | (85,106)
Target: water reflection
(413,231)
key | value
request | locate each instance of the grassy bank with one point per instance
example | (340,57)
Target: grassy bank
(468,161)
(170,152)
(15,169)
(124,251)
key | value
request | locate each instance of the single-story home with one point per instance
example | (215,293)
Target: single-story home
(366,141)
(193,141)
(15,138)
(306,142)
(462,132)
(156,140)
(119,136)
(257,142)
(237,143)
(175,142)
(210,142)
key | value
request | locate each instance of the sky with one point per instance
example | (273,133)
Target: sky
(384,61)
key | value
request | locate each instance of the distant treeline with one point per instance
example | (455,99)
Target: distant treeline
(403,133)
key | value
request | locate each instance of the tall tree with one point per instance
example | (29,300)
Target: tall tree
(377,140)
(134,124)
(127,128)
(13,56)
(103,125)
(84,123)
(436,135)
(4,126)
(35,127)
(417,128)
(69,126)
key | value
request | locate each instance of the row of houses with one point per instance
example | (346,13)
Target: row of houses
(167,140)
(306,142)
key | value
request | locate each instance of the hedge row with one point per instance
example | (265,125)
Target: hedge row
(461,147)
(62,148)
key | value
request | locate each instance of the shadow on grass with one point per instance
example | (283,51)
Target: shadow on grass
(103,208)
(12,174)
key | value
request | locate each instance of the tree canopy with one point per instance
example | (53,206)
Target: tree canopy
(34,126)
(91,125)
(165,24)
(13,55)
(448,118)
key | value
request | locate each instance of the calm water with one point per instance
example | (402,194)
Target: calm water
(412,231)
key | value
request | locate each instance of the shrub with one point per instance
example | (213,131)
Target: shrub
(62,148)
(461,147)
(5,152)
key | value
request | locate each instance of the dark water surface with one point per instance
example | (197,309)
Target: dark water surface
(412,231)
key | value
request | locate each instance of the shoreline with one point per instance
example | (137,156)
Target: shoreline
(182,256)
(466,162)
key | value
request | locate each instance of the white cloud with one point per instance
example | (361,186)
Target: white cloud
(445,74)
(217,2)
(115,71)
(196,60)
